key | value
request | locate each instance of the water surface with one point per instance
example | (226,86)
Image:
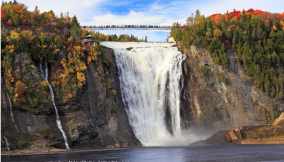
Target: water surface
(213,153)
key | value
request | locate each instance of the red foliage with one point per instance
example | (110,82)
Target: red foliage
(280,16)
(216,18)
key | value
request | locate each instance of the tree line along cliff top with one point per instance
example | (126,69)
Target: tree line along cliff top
(255,37)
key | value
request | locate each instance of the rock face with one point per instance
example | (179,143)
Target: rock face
(218,99)
(266,134)
(94,118)
(213,99)
(104,102)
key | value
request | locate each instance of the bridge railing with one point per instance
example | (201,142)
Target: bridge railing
(144,27)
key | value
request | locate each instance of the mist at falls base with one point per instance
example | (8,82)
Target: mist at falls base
(150,77)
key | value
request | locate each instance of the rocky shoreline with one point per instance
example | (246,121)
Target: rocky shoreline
(266,134)
(263,134)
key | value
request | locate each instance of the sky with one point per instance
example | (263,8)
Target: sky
(155,12)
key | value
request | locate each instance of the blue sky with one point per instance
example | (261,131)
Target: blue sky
(159,12)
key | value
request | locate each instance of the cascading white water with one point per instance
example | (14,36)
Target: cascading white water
(7,144)
(150,75)
(58,121)
(11,112)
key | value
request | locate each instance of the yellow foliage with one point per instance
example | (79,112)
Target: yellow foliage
(77,49)
(44,83)
(14,35)
(81,67)
(10,48)
(91,55)
(63,77)
(19,89)
(9,75)
(217,33)
(19,8)
(80,77)
(27,34)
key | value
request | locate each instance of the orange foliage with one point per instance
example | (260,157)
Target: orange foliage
(216,18)
(19,89)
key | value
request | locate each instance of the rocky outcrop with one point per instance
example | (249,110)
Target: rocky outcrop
(279,121)
(94,118)
(263,134)
(218,98)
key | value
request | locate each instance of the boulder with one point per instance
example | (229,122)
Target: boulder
(279,121)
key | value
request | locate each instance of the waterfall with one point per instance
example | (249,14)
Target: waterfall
(11,111)
(150,75)
(6,143)
(58,121)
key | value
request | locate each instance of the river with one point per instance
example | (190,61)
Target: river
(211,153)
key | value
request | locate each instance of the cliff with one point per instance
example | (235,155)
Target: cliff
(216,98)
(213,99)
(93,117)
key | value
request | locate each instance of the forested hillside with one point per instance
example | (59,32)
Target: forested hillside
(48,73)
(255,39)
(32,40)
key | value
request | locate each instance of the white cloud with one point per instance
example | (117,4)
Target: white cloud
(179,10)
(61,6)
(155,14)
(131,18)
(91,12)
(83,9)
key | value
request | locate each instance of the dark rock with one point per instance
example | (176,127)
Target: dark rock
(106,110)
(129,48)
(94,118)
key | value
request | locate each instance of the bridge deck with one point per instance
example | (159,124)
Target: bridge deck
(128,28)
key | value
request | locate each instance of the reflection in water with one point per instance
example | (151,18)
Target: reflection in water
(212,153)
(152,35)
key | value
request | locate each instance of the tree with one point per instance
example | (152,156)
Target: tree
(75,28)
(257,38)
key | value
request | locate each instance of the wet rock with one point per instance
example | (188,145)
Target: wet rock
(129,48)
(233,136)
